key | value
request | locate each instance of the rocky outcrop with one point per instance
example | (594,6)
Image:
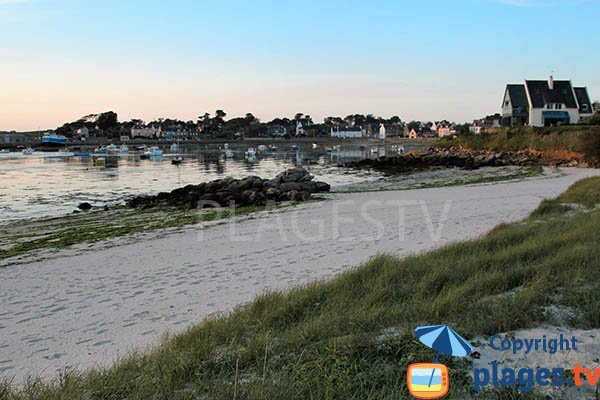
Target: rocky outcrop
(295,184)
(468,159)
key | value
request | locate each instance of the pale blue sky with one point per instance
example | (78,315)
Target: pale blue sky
(61,59)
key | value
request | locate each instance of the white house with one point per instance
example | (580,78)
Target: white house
(545,103)
(83,132)
(145,131)
(300,129)
(347,132)
(382,131)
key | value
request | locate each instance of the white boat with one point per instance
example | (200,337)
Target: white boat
(262,148)
(229,154)
(153,152)
(251,152)
(226,145)
(27,152)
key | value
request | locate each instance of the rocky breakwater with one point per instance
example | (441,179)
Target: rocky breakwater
(467,159)
(295,184)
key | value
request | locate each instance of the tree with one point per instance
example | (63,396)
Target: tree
(220,114)
(416,125)
(107,120)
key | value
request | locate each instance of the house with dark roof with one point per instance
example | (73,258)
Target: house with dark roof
(544,103)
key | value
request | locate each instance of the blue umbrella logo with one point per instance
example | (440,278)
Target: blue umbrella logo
(444,340)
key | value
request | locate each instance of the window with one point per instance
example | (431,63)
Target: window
(584,107)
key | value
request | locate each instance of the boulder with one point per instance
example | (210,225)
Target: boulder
(85,206)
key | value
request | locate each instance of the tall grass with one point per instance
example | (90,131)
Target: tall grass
(580,139)
(351,337)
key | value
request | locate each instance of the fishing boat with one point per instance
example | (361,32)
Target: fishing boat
(52,139)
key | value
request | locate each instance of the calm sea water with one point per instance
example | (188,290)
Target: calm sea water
(45,184)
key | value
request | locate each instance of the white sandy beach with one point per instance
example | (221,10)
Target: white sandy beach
(81,309)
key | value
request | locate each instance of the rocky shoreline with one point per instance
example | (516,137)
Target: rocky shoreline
(295,184)
(470,159)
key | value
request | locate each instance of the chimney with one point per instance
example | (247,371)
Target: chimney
(551,82)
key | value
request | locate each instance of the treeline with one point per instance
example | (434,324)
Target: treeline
(217,125)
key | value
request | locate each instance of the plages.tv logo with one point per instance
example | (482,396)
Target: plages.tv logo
(431,380)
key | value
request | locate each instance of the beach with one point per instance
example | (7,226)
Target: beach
(91,306)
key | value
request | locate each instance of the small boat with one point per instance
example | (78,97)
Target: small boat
(295,147)
(251,152)
(226,145)
(141,147)
(177,160)
(152,152)
(101,150)
(53,139)
(123,149)
(4,151)
(27,152)
(229,154)
(262,148)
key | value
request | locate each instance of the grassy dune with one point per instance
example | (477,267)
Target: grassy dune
(563,142)
(351,338)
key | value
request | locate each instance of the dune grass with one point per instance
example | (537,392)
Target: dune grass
(351,337)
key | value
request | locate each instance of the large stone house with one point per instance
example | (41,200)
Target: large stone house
(544,103)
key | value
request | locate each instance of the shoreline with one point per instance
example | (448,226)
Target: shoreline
(90,309)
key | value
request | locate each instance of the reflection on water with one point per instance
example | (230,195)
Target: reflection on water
(47,184)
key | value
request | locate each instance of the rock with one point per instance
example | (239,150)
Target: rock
(295,184)
(85,206)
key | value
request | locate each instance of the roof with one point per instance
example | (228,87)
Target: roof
(541,94)
(583,98)
(518,95)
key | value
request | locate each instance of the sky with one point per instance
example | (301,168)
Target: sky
(418,59)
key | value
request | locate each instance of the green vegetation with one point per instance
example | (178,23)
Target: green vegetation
(23,237)
(580,139)
(351,338)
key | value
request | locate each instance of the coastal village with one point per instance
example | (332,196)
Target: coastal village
(536,103)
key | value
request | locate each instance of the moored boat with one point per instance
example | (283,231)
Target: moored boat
(27,152)
(52,139)
(153,151)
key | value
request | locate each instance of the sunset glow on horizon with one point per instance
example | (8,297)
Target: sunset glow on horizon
(62,59)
